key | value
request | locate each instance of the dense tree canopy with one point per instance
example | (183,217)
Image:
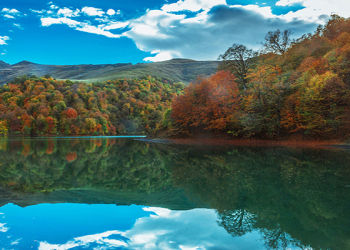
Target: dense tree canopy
(47,106)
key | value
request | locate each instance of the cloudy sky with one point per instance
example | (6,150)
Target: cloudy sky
(113,31)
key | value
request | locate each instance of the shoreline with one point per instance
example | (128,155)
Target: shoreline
(252,142)
(337,144)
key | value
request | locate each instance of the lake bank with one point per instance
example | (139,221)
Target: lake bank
(252,142)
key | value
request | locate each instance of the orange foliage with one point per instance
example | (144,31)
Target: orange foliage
(99,128)
(26,148)
(71,113)
(51,124)
(74,129)
(71,157)
(210,103)
(50,147)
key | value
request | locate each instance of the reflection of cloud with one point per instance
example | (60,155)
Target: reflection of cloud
(100,239)
(16,242)
(3,228)
(166,229)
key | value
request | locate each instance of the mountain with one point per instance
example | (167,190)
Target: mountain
(3,64)
(175,70)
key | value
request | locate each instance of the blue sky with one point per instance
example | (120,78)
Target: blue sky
(115,31)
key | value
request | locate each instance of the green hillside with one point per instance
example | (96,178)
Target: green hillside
(175,70)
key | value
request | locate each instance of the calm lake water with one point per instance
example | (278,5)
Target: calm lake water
(120,193)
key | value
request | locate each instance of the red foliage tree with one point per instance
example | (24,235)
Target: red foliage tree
(209,103)
(71,113)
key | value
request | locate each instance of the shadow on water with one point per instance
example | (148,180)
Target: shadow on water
(292,197)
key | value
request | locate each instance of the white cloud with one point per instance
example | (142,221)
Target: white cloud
(161,56)
(192,5)
(110,12)
(17,25)
(37,11)
(52,6)
(264,11)
(3,40)
(288,2)
(91,11)
(85,27)
(66,12)
(9,16)
(11,11)
(97,30)
(152,24)
(47,21)
(316,8)
(116,25)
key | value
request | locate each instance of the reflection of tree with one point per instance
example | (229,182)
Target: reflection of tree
(276,238)
(46,165)
(237,222)
(296,197)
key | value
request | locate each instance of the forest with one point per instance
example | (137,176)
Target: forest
(292,87)
(32,105)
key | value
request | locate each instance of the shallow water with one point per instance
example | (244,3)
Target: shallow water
(120,193)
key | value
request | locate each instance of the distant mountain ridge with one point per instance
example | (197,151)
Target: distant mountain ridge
(175,70)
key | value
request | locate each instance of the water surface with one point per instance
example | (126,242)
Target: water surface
(119,193)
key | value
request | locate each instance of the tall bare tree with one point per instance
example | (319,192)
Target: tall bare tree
(238,59)
(277,41)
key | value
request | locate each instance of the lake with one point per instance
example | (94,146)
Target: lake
(122,193)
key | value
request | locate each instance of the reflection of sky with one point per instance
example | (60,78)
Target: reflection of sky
(81,226)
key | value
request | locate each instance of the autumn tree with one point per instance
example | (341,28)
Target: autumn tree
(238,59)
(3,128)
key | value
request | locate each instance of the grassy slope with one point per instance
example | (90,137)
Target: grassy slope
(176,70)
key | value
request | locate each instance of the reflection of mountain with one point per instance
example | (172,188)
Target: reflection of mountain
(292,197)
(171,198)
